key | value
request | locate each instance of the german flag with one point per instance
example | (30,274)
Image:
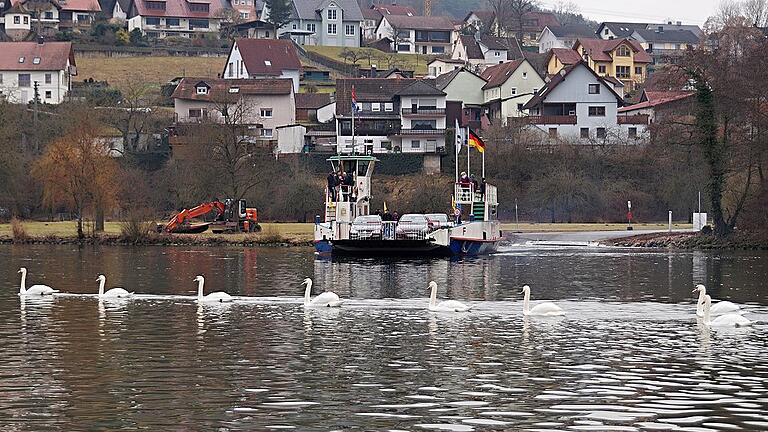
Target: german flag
(475,141)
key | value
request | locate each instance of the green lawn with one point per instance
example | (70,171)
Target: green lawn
(155,71)
(415,62)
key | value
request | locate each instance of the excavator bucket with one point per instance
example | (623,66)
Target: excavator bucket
(191,229)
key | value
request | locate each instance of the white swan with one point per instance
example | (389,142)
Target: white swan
(34,289)
(718,308)
(326,299)
(112,292)
(729,320)
(444,306)
(218,296)
(541,309)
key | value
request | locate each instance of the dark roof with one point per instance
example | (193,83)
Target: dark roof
(421,87)
(308,9)
(559,78)
(498,74)
(376,90)
(539,20)
(471,46)
(511,45)
(613,80)
(371,14)
(279,53)
(579,30)
(538,61)
(493,42)
(221,90)
(53,56)
(658,100)
(600,49)
(673,36)
(566,56)
(180,9)
(621,29)
(394,9)
(420,22)
(312,100)
(443,80)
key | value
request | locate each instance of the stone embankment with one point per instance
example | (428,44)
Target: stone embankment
(165,240)
(741,240)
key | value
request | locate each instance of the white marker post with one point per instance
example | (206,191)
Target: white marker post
(629,215)
(670,221)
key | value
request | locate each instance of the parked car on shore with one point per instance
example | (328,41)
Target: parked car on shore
(366,227)
(412,227)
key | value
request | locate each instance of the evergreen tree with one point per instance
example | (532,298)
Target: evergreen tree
(279,13)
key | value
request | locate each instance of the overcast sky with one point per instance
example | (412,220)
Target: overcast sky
(687,11)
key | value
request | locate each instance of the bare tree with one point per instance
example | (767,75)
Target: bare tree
(501,12)
(134,114)
(517,10)
(756,11)
(566,10)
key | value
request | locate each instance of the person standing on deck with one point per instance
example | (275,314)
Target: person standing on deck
(332,185)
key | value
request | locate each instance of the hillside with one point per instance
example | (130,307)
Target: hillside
(118,71)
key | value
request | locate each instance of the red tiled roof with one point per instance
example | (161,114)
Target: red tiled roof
(395,9)
(53,56)
(659,98)
(600,49)
(543,19)
(312,100)
(566,56)
(268,56)
(498,74)
(657,95)
(181,9)
(80,5)
(220,89)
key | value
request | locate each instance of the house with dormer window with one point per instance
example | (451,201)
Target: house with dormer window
(323,22)
(263,58)
(159,19)
(47,66)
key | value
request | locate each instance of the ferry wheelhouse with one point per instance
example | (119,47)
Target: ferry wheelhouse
(476,232)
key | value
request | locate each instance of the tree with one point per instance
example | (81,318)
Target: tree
(515,16)
(566,12)
(77,173)
(756,12)
(137,38)
(279,14)
(134,114)
(501,11)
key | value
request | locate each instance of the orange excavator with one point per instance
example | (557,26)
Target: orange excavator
(231,216)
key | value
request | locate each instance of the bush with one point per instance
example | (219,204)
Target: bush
(18,230)
(270,235)
(137,227)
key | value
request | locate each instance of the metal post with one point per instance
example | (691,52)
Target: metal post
(670,221)
(483,176)
(469,151)
(354,106)
(629,215)
(699,201)
(517,221)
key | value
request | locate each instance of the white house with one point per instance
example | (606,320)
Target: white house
(264,104)
(480,51)
(323,22)
(263,58)
(182,18)
(47,66)
(665,45)
(463,88)
(563,36)
(441,65)
(394,115)
(508,88)
(417,34)
(578,104)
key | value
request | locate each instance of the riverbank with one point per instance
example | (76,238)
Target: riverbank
(694,240)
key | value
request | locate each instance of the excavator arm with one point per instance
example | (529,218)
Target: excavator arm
(185,215)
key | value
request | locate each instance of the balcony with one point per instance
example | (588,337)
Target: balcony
(637,119)
(421,132)
(423,112)
(552,119)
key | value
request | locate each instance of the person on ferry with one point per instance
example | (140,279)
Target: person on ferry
(332,185)
(349,182)
(464,180)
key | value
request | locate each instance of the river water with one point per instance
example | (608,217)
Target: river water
(629,355)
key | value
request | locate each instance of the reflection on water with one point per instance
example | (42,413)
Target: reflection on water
(630,354)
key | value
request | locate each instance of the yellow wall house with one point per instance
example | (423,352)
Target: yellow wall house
(623,59)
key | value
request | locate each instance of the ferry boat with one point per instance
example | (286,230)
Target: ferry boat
(477,232)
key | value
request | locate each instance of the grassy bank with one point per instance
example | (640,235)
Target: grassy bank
(118,71)
(415,62)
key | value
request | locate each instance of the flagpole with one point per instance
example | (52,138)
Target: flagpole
(483,163)
(354,107)
(469,153)
(457,144)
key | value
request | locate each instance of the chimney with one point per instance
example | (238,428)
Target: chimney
(679,23)
(373,71)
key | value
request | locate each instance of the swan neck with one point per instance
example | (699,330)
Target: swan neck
(433,296)
(200,283)
(526,301)
(102,281)
(23,287)
(307,292)
(707,306)
(700,303)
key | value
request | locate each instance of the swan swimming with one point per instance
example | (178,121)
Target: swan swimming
(729,320)
(447,305)
(541,309)
(112,292)
(326,299)
(34,289)
(718,308)
(218,296)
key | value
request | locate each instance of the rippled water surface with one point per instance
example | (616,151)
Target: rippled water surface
(628,356)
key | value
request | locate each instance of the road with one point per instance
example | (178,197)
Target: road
(580,237)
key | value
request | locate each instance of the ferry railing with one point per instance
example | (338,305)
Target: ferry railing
(491,194)
(464,193)
(388,230)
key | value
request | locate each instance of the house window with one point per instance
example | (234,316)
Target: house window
(622,71)
(584,133)
(597,111)
(331,29)
(231,70)
(172,22)
(632,132)
(525,76)
(17,19)
(415,144)
(202,90)
(375,106)
(553,132)
(48,95)
(311,27)
(403,48)
(153,21)
(197,113)
(496,54)
(266,133)
(594,89)
(349,29)
(294,26)
(266,112)
(47,78)
(26,20)
(605,32)
(198,23)
(438,49)
(622,51)
(244,15)
(36,60)
(601,133)
(24,80)
(332,14)
(639,70)
(388,107)
(513,91)
(520,107)
(601,69)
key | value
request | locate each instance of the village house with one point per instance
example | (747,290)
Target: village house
(617,30)
(509,87)
(47,17)
(393,116)
(372,16)
(532,26)
(563,36)
(323,22)
(660,105)
(262,105)
(263,58)
(441,65)
(27,68)
(482,50)
(578,104)
(464,97)
(417,34)
(665,45)
(183,18)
